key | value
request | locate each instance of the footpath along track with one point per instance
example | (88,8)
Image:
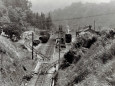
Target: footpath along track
(28,44)
(46,66)
(39,77)
(42,74)
(43,79)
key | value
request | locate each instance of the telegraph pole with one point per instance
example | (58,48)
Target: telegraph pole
(32,45)
(59,42)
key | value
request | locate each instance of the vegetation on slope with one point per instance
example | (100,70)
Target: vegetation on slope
(15,63)
(16,16)
(94,67)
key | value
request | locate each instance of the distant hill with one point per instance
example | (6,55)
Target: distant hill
(80,10)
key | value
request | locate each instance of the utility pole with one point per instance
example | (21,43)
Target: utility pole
(59,42)
(32,45)
(94,24)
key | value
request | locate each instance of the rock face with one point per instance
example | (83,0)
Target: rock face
(14,64)
(11,71)
(11,68)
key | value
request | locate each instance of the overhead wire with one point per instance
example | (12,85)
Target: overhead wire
(84,17)
(74,18)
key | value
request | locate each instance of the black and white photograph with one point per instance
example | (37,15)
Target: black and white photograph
(57,42)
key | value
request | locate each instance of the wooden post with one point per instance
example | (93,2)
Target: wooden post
(32,46)
(59,43)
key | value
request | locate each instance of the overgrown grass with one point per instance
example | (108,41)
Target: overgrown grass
(105,57)
(69,58)
(84,42)
(15,68)
(81,77)
(112,49)
(95,60)
(108,54)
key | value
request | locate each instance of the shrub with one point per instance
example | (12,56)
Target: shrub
(69,56)
(110,34)
(78,45)
(68,59)
(89,42)
(13,31)
(77,58)
(64,65)
(81,77)
(112,49)
(105,57)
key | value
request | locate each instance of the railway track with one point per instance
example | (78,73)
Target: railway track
(49,49)
(28,45)
(45,67)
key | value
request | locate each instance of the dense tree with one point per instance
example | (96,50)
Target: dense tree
(19,12)
(13,31)
(24,4)
(37,20)
(13,15)
(48,22)
(29,17)
(43,21)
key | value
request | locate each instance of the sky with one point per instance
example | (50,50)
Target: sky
(50,5)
